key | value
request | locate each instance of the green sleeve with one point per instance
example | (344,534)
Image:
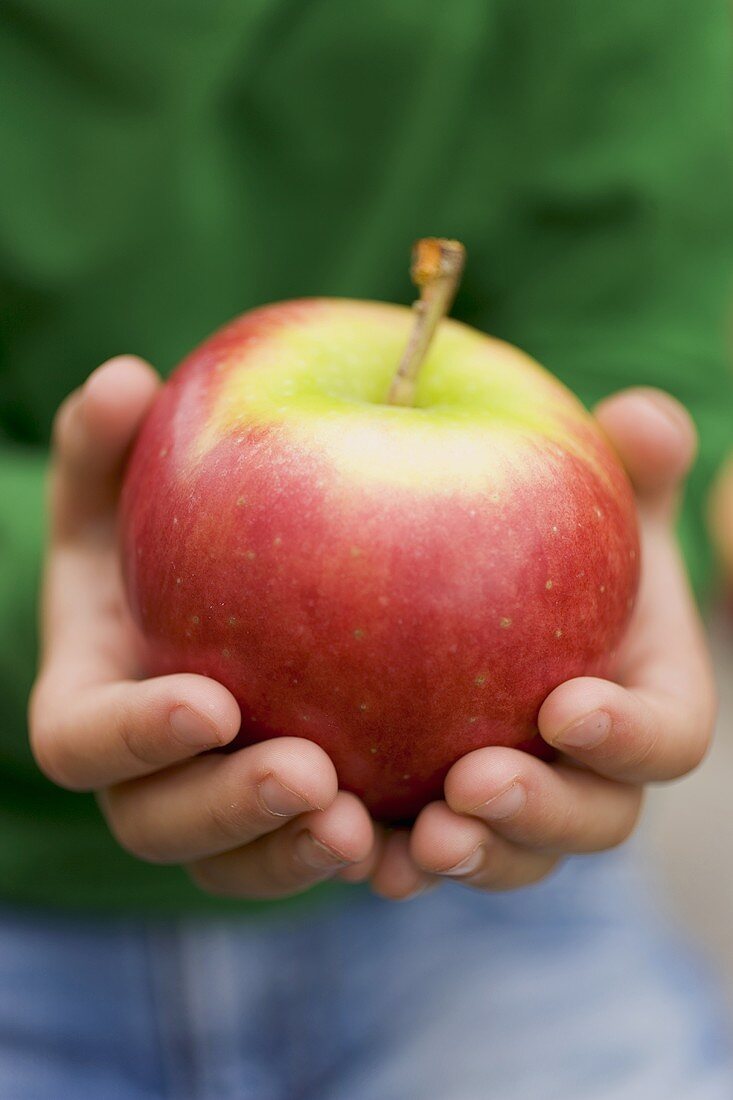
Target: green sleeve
(615,264)
(21,539)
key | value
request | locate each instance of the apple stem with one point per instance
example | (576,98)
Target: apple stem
(437,265)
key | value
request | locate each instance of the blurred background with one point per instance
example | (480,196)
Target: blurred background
(688,831)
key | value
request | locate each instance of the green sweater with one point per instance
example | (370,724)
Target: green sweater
(167,164)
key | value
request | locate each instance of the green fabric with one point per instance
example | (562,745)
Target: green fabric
(167,164)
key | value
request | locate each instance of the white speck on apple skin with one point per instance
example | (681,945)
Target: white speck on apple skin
(548,585)
(241,501)
(554,529)
(602,589)
(175,521)
(277,541)
(162,452)
(480,681)
(505,623)
(373,750)
(362,706)
(558,633)
(474,719)
(225,652)
(195,620)
(251,555)
(178,580)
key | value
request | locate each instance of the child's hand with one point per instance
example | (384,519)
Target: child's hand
(507,817)
(262,822)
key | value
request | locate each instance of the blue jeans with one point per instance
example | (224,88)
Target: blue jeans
(571,989)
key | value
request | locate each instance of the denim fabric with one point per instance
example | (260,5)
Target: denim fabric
(571,989)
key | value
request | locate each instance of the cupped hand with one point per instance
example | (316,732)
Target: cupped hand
(507,817)
(263,822)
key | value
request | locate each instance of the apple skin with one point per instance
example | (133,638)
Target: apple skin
(399,585)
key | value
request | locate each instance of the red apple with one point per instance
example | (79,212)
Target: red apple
(399,584)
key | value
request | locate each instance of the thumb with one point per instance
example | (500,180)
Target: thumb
(93,431)
(656,440)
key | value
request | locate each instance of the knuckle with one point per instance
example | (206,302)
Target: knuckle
(61,420)
(542,870)
(207,875)
(515,872)
(705,729)
(234,819)
(640,756)
(50,751)
(45,752)
(516,877)
(698,752)
(127,831)
(140,744)
(283,872)
(565,830)
(626,821)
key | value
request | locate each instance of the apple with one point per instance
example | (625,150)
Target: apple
(400,573)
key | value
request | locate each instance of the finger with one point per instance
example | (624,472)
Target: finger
(85,623)
(396,875)
(637,736)
(216,803)
(363,871)
(292,859)
(462,848)
(556,807)
(655,438)
(658,725)
(93,431)
(85,740)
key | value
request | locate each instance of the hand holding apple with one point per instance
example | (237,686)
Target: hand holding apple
(268,820)
(96,725)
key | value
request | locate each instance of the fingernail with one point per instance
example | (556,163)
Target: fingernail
(317,855)
(586,733)
(666,407)
(466,866)
(279,800)
(505,804)
(192,728)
